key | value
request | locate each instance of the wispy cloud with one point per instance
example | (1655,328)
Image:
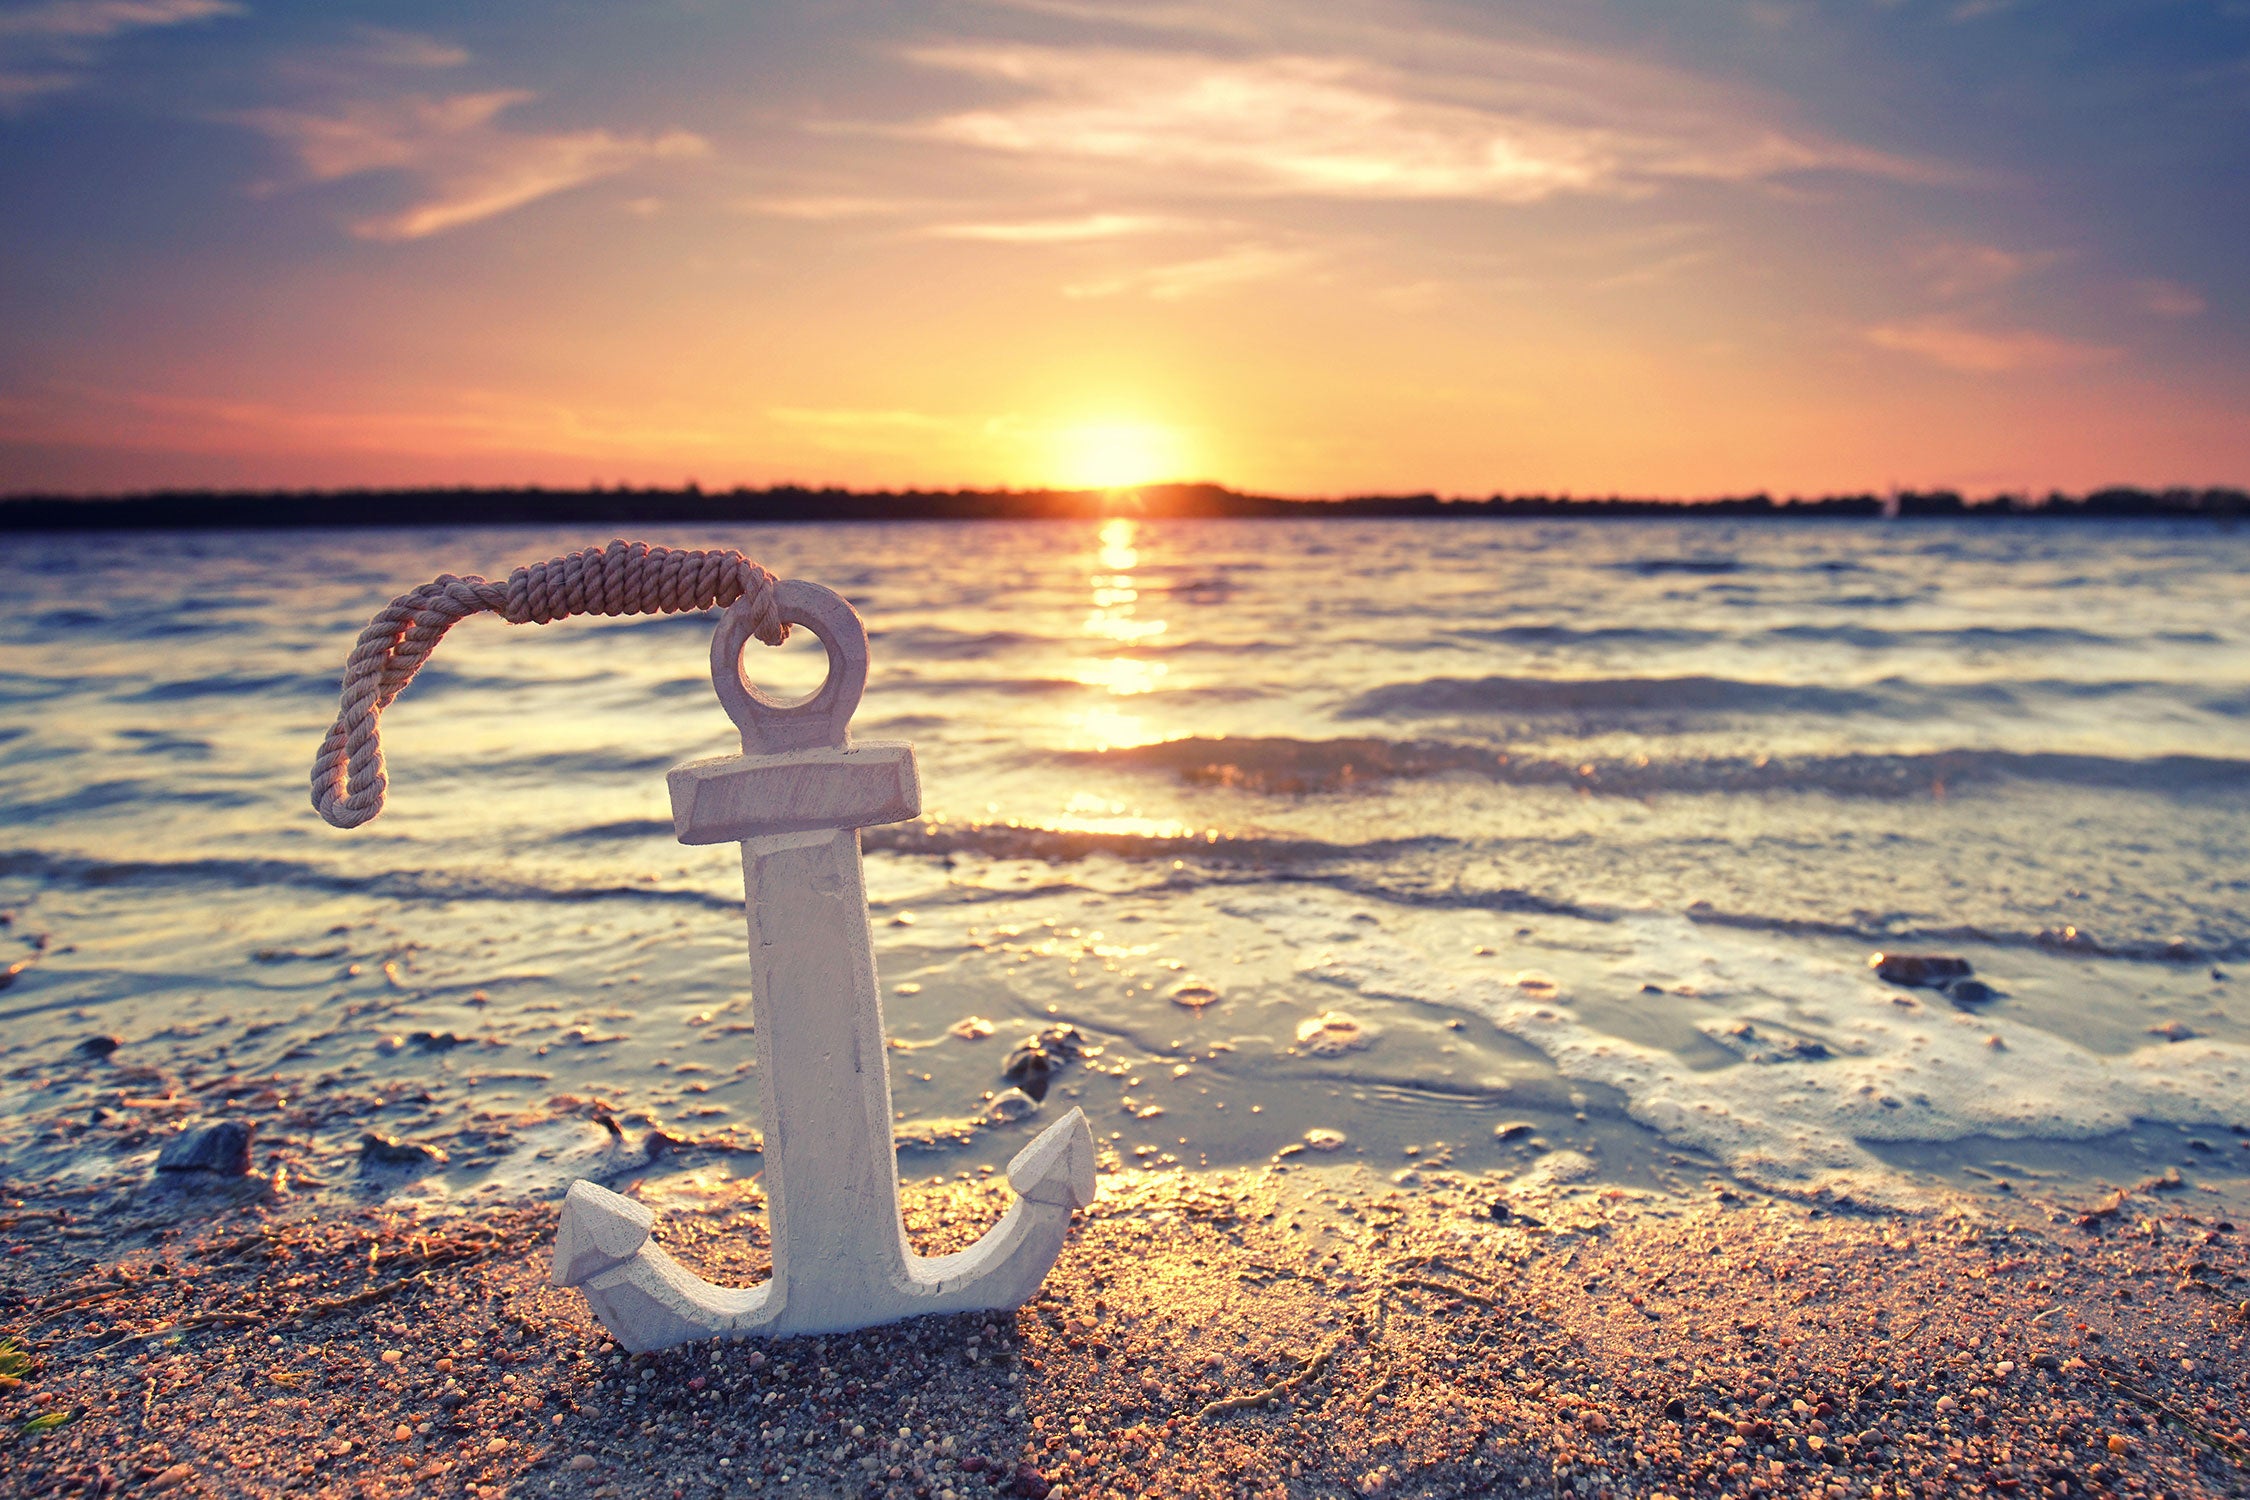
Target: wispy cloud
(1530,125)
(1054,231)
(1958,268)
(50,48)
(1956,346)
(2168,299)
(468,167)
(1194,278)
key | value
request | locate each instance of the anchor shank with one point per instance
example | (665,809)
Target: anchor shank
(826,1083)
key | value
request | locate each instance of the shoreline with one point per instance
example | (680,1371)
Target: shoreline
(1278,1332)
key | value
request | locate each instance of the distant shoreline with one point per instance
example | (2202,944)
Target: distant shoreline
(239,509)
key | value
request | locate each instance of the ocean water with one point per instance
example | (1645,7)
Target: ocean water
(1502,847)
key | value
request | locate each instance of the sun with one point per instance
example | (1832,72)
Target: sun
(1114,454)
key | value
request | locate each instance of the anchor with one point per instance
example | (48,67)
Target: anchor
(795,799)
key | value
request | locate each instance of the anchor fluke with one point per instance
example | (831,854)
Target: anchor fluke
(599,1230)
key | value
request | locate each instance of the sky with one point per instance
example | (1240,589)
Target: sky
(1303,247)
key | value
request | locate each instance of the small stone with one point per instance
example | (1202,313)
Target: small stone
(99,1046)
(1321,1138)
(1513,1130)
(2172,1031)
(172,1478)
(223,1150)
(1919,970)
(402,1432)
(1194,994)
(392,1356)
(1037,1059)
(1332,1033)
(582,1461)
(1967,994)
(377,1152)
(497,1445)
(1009,1106)
(971,1029)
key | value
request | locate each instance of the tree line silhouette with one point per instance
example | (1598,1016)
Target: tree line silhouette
(474,506)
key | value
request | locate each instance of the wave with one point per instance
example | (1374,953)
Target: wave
(1719,697)
(1370,871)
(1293,767)
(404,885)
(1436,697)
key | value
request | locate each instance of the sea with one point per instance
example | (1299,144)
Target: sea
(1424,847)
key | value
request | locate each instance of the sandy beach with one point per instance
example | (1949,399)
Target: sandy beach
(1265,1333)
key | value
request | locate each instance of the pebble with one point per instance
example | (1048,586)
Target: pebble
(99,1046)
(377,1152)
(582,1461)
(1923,970)
(1513,1130)
(1321,1138)
(1010,1105)
(392,1356)
(1036,1059)
(1194,994)
(1332,1033)
(971,1029)
(223,1150)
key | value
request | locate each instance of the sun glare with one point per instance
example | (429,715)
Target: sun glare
(1112,455)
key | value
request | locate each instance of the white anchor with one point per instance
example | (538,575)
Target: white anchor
(796,799)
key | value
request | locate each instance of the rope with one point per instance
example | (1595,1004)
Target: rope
(624,578)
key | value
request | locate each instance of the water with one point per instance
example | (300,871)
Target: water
(1584,829)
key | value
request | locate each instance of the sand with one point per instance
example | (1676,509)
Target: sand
(1267,1333)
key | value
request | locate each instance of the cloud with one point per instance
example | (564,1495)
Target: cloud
(467,166)
(2168,299)
(1964,269)
(1053,231)
(1193,278)
(1530,124)
(819,209)
(2005,351)
(50,48)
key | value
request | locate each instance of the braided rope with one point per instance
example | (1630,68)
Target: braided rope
(624,578)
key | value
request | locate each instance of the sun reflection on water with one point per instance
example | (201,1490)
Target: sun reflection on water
(1115,620)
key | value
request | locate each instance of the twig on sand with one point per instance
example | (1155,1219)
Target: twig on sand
(1288,1384)
(2118,1381)
(1417,1283)
(184,1325)
(327,1305)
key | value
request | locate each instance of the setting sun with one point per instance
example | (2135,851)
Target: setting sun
(1110,455)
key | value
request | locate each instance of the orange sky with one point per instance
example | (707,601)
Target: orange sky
(1307,248)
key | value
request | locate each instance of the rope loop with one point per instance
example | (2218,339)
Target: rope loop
(624,578)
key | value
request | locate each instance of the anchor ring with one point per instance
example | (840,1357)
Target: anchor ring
(770,726)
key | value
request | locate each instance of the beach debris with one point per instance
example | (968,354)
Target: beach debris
(378,1152)
(1927,971)
(2173,1031)
(1035,1060)
(1194,993)
(1322,1138)
(1514,1130)
(10,974)
(1537,982)
(222,1150)
(796,800)
(971,1029)
(1332,1033)
(1009,1106)
(98,1046)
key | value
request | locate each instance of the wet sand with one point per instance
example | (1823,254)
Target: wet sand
(1279,1332)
